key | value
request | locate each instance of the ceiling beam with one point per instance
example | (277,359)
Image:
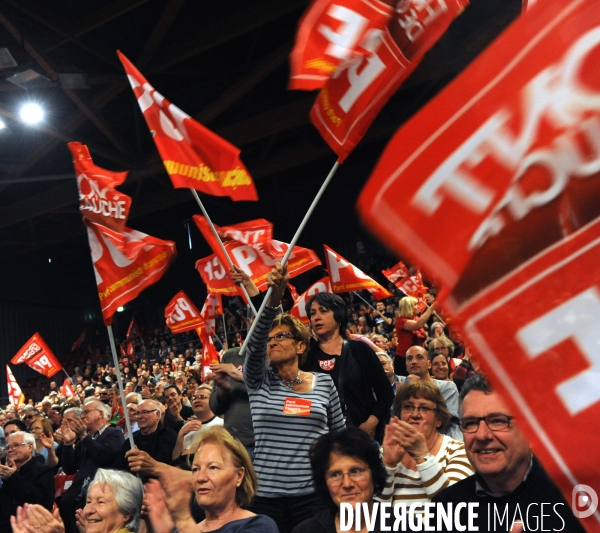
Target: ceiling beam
(242,21)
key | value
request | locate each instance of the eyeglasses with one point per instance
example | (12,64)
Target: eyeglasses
(356,474)
(88,411)
(201,397)
(146,412)
(495,422)
(29,417)
(280,336)
(9,447)
(423,409)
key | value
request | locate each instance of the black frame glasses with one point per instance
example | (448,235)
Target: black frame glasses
(494,422)
(282,335)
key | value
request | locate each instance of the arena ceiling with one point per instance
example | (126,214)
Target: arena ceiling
(224,63)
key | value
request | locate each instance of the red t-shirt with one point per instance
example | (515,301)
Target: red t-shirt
(406,338)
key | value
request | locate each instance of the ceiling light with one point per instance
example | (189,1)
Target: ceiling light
(2,125)
(120,309)
(31,113)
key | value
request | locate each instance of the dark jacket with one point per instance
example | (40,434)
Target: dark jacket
(158,445)
(32,483)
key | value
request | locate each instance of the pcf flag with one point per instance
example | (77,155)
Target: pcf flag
(211,308)
(216,277)
(194,156)
(182,315)
(66,389)
(36,354)
(15,396)
(298,310)
(99,202)
(125,264)
(397,272)
(210,355)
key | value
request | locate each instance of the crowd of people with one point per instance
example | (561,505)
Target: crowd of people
(367,403)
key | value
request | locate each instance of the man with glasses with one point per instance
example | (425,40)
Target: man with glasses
(154,443)
(508,477)
(23,480)
(88,444)
(29,413)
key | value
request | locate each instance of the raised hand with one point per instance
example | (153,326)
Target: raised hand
(393,452)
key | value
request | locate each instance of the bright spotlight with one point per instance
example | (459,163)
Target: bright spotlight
(120,309)
(31,113)
(2,125)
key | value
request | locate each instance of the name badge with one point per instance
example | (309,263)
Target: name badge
(297,406)
(327,365)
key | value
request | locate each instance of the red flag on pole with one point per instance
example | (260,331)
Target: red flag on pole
(78,342)
(125,264)
(66,389)
(210,355)
(488,166)
(356,92)
(251,247)
(211,308)
(182,315)
(133,331)
(15,396)
(36,354)
(216,277)
(345,277)
(99,202)
(194,156)
(330,33)
(397,272)
(298,310)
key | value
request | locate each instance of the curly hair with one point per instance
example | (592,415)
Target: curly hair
(423,390)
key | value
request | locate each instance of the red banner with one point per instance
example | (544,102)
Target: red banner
(182,315)
(78,342)
(354,95)
(36,354)
(194,156)
(15,396)
(99,202)
(298,310)
(125,264)
(505,165)
(330,33)
(216,277)
(251,247)
(133,331)
(66,389)
(210,355)
(211,308)
(397,272)
(345,277)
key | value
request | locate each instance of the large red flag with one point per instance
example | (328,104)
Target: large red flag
(125,264)
(356,92)
(182,315)
(331,32)
(99,202)
(493,165)
(194,156)
(298,310)
(216,277)
(211,308)
(251,247)
(36,354)
(15,396)
(345,277)
(210,355)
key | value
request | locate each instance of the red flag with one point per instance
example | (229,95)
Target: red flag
(210,355)
(211,308)
(251,247)
(345,277)
(181,314)
(397,272)
(216,277)
(293,292)
(133,332)
(78,342)
(15,396)
(412,285)
(99,202)
(125,264)
(323,285)
(66,389)
(194,156)
(122,350)
(36,354)
(330,33)
(486,166)
(354,95)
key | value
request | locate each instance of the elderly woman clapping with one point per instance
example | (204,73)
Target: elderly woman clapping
(113,504)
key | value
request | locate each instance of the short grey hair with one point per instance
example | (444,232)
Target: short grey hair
(103,408)
(128,492)
(76,410)
(386,355)
(134,396)
(28,438)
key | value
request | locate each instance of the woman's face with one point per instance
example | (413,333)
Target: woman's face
(37,430)
(440,347)
(439,330)
(2,420)
(322,320)
(285,349)
(216,478)
(439,367)
(349,480)
(425,421)
(101,513)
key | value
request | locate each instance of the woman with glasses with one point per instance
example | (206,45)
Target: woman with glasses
(346,469)
(290,409)
(419,460)
(41,429)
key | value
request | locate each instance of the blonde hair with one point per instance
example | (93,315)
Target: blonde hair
(244,494)
(407,307)
(300,332)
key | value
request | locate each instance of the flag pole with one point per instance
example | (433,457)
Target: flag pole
(214,231)
(113,348)
(293,242)
(364,300)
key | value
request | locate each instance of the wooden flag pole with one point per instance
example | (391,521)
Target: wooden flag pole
(214,231)
(284,261)
(113,348)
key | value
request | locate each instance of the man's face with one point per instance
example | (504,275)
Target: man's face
(11,415)
(54,417)
(92,416)
(200,402)
(53,384)
(18,452)
(380,307)
(417,361)
(172,397)
(498,456)
(9,429)
(387,367)
(148,417)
